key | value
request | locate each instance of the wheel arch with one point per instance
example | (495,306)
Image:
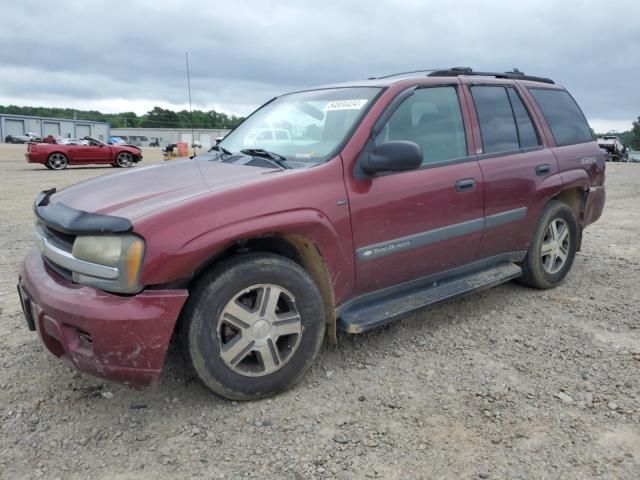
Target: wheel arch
(66,155)
(297,248)
(574,197)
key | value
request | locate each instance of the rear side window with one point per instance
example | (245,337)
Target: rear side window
(281,135)
(565,119)
(431,117)
(526,131)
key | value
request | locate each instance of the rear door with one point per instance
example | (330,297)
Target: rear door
(515,166)
(412,224)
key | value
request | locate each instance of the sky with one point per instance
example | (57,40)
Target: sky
(118,56)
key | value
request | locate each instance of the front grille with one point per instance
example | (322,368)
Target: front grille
(59,239)
(63,272)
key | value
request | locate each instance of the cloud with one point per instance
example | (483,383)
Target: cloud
(243,53)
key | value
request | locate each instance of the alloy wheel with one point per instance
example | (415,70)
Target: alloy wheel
(57,161)
(259,330)
(125,159)
(555,246)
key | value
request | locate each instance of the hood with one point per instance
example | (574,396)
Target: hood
(126,145)
(135,193)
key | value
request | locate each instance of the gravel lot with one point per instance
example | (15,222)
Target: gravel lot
(508,383)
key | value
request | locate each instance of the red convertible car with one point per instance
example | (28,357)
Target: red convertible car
(57,157)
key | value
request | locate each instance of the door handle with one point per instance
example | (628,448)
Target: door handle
(465,184)
(543,169)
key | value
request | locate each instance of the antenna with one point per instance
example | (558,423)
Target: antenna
(193,135)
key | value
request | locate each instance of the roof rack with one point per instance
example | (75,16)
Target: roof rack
(515,74)
(404,73)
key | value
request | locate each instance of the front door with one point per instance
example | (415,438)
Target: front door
(412,224)
(92,153)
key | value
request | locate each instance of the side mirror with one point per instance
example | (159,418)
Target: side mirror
(393,156)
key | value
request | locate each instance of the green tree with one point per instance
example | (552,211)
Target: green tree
(634,142)
(158,117)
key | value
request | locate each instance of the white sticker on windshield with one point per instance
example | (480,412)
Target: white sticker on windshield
(355,104)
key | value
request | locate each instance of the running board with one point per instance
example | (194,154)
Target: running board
(375,313)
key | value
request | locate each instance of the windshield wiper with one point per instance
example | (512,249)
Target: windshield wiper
(221,149)
(261,152)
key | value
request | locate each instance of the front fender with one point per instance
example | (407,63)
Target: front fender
(167,263)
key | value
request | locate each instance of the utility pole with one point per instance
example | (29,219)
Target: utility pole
(193,135)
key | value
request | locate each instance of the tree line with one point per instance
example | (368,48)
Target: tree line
(156,118)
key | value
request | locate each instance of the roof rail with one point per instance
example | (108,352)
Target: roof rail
(515,74)
(404,73)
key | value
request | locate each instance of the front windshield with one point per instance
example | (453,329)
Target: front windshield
(302,127)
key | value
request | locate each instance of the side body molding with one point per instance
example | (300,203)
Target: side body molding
(429,237)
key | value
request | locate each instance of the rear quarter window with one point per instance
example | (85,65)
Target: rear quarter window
(565,119)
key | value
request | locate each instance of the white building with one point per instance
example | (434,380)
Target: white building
(17,125)
(163,136)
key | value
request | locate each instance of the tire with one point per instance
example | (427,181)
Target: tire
(236,350)
(57,161)
(47,165)
(124,160)
(557,233)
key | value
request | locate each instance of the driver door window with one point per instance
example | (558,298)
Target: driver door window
(432,118)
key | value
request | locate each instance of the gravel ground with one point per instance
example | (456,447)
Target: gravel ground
(508,383)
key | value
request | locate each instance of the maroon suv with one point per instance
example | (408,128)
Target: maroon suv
(340,207)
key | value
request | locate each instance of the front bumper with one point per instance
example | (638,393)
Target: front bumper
(118,338)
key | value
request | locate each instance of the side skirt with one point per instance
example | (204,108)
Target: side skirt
(378,308)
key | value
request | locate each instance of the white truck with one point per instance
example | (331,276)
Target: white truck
(614,147)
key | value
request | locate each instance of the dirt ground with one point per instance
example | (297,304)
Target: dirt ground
(510,383)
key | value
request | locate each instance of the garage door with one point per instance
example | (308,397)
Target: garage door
(51,128)
(14,127)
(83,131)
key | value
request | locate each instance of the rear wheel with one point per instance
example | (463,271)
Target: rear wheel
(57,161)
(253,326)
(124,160)
(553,248)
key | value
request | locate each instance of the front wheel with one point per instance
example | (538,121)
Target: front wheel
(553,248)
(124,160)
(253,326)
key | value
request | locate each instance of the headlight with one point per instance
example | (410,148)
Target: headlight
(124,252)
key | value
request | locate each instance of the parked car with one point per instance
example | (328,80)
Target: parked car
(33,137)
(67,141)
(618,152)
(26,138)
(417,190)
(268,137)
(91,151)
